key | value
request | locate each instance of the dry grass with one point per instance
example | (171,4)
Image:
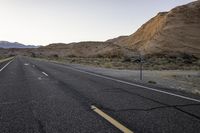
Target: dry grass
(153,63)
(2,59)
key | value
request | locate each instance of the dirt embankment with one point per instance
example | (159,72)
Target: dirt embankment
(169,33)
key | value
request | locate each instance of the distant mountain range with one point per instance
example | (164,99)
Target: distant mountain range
(7,45)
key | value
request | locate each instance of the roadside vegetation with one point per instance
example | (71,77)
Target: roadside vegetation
(184,62)
(2,59)
(175,73)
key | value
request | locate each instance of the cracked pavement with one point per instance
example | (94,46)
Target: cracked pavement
(60,102)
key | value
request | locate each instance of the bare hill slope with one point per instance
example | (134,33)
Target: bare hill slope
(173,32)
(81,49)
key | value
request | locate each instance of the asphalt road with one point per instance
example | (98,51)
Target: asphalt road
(44,97)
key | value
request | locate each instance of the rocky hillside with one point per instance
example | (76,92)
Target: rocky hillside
(170,33)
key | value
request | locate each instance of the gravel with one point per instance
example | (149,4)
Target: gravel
(188,81)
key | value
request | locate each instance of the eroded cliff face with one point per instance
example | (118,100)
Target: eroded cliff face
(173,32)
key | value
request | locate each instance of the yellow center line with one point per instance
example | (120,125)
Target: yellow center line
(111,120)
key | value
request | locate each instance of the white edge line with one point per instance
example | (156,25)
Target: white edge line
(132,84)
(114,122)
(45,74)
(6,65)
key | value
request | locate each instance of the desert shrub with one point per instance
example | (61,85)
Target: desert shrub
(174,76)
(72,61)
(33,55)
(72,56)
(152,82)
(187,58)
(55,56)
(198,62)
(137,60)
(108,65)
(114,56)
(11,55)
(100,56)
(126,59)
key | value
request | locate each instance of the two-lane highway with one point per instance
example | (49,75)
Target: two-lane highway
(44,97)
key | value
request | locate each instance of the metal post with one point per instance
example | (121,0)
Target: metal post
(141,67)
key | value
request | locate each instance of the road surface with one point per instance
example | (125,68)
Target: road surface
(44,97)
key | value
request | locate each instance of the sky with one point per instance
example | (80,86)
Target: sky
(41,22)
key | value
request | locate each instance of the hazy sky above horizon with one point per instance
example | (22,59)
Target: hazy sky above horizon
(40,22)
